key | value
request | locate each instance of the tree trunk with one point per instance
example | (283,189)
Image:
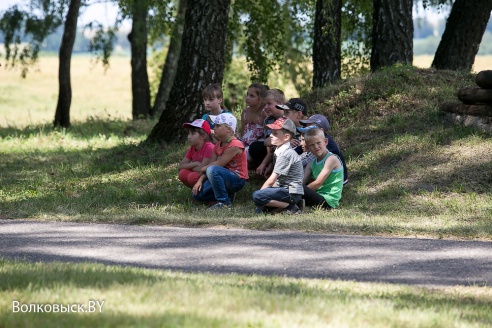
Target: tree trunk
(460,108)
(62,114)
(201,62)
(392,33)
(461,39)
(475,95)
(327,42)
(169,69)
(140,78)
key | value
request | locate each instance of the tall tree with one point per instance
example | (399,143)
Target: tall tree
(171,63)
(62,114)
(464,31)
(327,44)
(392,33)
(201,62)
(140,79)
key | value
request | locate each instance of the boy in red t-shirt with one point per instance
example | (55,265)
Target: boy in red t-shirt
(227,172)
(199,153)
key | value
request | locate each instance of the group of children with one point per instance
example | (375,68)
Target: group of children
(301,163)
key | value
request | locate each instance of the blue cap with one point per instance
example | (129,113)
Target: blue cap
(307,128)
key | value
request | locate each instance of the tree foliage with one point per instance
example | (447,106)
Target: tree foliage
(356,36)
(271,35)
(42,18)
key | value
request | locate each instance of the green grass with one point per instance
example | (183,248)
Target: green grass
(412,173)
(155,298)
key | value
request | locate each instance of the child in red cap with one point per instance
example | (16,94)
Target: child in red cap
(199,153)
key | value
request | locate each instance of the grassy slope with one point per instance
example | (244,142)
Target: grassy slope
(412,173)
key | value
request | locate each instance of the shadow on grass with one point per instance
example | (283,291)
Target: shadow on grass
(58,278)
(93,127)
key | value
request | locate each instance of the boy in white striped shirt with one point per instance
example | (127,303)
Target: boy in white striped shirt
(283,189)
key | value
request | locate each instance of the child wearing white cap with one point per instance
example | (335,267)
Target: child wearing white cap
(227,172)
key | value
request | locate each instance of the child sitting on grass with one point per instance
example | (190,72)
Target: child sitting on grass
(199,153)
(283,189)
(252,118)
(321,122)
(264,154)
(295,109)
(227,172)
(323,176)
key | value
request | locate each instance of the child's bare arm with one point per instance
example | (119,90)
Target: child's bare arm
(226,157)
(203,169)
(270,181)
(307,173)
(186,163)
(268,158)
(201,164)
(331,163)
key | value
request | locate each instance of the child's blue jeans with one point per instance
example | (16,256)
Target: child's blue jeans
(264,196)
(220,184)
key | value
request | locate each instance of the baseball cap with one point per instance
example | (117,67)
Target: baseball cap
(319,120)
(199,123)
(226,118)
(303,130)
(283,123)
(294,104)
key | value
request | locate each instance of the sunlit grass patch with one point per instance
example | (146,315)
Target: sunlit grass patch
(143,297)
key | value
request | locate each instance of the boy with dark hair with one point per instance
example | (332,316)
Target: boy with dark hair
(295,109)
(283,189)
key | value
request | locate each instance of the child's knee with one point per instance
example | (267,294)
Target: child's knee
(183,175)
(211,170)
(192,178)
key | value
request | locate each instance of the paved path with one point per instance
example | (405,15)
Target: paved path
(426,262)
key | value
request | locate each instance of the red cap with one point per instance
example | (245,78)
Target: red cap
(199,123)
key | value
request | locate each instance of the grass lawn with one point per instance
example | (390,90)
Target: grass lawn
(154,298)
(412,173)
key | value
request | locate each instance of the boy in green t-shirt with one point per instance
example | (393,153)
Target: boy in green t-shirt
(323,176)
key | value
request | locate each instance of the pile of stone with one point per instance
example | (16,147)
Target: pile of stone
(475,106)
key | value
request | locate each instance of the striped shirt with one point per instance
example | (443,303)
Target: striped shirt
(288,166)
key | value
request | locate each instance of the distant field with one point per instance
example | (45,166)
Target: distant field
(481,62)
(95,92)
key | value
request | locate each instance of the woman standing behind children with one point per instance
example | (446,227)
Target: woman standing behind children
(199,153)
(252,118)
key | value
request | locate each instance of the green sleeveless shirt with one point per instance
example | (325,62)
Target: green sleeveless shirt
(331,189)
